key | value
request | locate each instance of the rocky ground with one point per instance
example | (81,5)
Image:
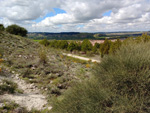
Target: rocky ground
(41,73)
(31,96)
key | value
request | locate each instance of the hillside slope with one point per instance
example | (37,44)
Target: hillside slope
(44,69)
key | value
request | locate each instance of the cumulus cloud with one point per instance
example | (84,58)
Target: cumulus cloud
(125,15)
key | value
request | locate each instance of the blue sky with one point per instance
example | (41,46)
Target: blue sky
(108,13)
(76,15)
(51,14)
(61,11)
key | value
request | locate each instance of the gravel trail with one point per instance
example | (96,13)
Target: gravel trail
(82,58)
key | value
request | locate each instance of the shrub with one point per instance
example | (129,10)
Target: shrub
(2,27)
(1,52)
(44,42)
(7,87)
(104,49)
(89,54)
(12,107)
(16,30)
(115,46)
(145,38)
(128,76)
(1,60)
(86,45)
(96,47)
(54,44)
(85,97)
(42,55)
(55,91)
(72,46)
(63,44)
(26,73)
(9,106)
(120,85)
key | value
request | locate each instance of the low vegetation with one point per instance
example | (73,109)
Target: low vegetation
(120,84)
(46,68)
(7,86)
(1,60)
(2,27)
(11,107)
(109,47)
(85,46)
(16,30)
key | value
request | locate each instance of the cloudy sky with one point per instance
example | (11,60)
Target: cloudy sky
(77,15)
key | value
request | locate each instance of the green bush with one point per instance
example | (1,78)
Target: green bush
(105,47)
(43,55)
(8,87)
(145,38)
(2,27)
(72,46)
(54,44)
(12,107)
(16,30)
(121,84)
(44,42)
(1,52)
(96,47)
(115,46)
(63,44)
(127,74)
(86,97)
(86,45)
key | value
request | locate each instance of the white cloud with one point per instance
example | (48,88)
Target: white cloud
(126,14)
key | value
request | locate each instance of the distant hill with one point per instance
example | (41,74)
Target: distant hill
(61,36)
(81,36)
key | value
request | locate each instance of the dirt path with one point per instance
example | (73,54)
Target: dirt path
(31,98)
(82,58)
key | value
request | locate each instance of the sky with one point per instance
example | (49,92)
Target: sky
(76,15)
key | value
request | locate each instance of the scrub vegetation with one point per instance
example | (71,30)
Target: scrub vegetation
(120,83)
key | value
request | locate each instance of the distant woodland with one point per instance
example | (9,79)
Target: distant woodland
(79,36)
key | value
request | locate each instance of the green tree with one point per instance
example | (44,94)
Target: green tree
(145,37)
(63,44)
(16,30)
(44,42)
(96,47)
(115,46)
(104,49)
(86,45)
(2,27)
(54,43)
(72,46)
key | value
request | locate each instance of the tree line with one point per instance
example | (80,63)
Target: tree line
(14,29)
(85,46)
